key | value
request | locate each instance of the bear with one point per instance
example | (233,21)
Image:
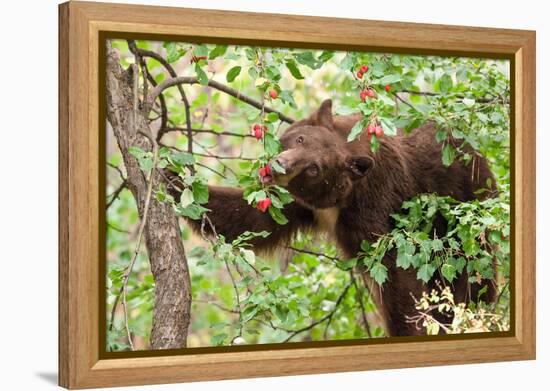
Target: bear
(349,192)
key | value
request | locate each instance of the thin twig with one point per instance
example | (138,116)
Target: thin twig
(239,309)
(359,297)
(305,251)
(115,194)
(221,174)
(324,318)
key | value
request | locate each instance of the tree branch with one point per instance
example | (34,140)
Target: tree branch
(217,85)
(210,131)
(478,100)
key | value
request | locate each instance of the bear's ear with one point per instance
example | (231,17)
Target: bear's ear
(358,166)
(323,116)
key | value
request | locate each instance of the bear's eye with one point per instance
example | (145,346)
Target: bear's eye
(312,170)
(300,140)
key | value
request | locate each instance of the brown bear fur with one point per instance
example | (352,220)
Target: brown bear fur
(348,191)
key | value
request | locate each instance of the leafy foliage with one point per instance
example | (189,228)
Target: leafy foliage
(308,291)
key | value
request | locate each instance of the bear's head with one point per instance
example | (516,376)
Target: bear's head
(320,169)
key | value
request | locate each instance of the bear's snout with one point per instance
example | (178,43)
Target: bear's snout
(283,162)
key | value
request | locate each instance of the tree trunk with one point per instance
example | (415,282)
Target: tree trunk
(172,305)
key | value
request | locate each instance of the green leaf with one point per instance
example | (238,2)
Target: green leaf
(281,313)
(432,328)
(386,99)
(277,167)
(277,215)
(440,135)
(272,117)
(365,246)
(219,50)
(247,236)
(374,143)
(249,256)
(233,73)
(218,339)
(405,254)
(282,193)
(293,68)
(448,271)
(308,59)
(186,198)
(248,313)
(379,272)
(355,131)
(271,144)
(200,51)
(193,211)
(326,55)
(458,263)
(437,245)
(256,196)
(425,272)
(445,83)
(200,192)
(287,97)
(201,75)
(348,264)
(137,152)
(183,159)
(390,79)
(173,52)
(388,126)
(448,156)
(469,102)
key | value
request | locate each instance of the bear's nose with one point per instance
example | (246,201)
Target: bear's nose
(281,161)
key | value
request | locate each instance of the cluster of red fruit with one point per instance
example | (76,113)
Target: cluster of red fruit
(198,58)
(364,69)
(368,92)
(264,171)
(375,129)
(258,131)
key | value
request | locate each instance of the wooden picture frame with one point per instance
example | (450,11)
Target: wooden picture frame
(81,364)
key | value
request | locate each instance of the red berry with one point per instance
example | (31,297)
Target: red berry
(378,131)
(363,95)
(371,128)
(264,171)
(364,68)
(273,94)
(370,93)
(359,75)
(258,133)
(388,88)
(263,205)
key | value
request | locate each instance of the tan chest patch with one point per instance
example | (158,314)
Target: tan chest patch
(326,219)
